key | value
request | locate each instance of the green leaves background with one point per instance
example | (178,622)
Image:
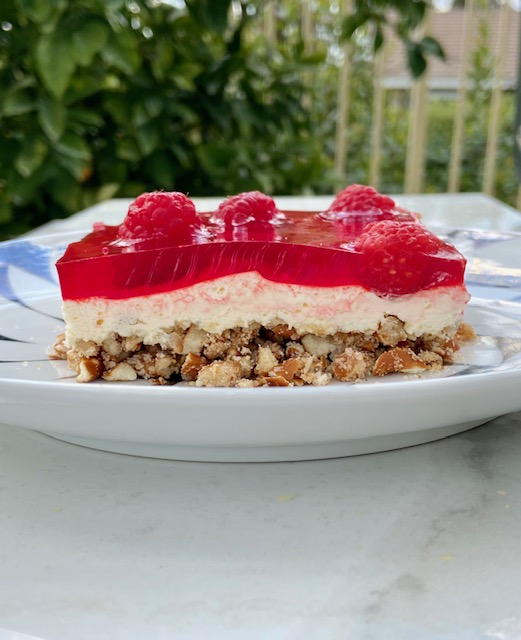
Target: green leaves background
(109,98)
(102,98)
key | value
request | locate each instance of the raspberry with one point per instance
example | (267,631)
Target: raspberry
(356,206)
(359,198)
(248,216)
(395,256)
(161,215)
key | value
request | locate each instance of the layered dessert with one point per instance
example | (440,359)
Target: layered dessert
(249,295)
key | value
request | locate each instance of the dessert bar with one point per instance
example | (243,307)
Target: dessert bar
(249,295)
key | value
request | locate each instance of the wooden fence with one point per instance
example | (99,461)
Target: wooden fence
(504,49)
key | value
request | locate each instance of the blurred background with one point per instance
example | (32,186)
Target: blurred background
(110,98)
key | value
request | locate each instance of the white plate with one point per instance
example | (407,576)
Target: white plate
(264,424)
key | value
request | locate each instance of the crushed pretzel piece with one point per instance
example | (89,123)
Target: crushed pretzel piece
(219,374)
(192,365)
(276,381)
(433,360)
(318,345)
(286,369)
(122,372)
(465,333)
(352,365)
(285,332)
(59,350)
(266,360)
(89,369)
(194,340)
(398,359)
(391,331)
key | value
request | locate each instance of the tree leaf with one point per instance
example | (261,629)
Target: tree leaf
(140,115)
(49,26)
(122,51)
(161,169)
(80,170)
(85,116)
(118,107)
(54,62)
(414,13)
(127,150)
(154,105)
(17,103)
(72,146)
(109,6)
(181,155)
(215,158)
(84,85)
(183,112)
(107,191)
(22,190)
(351,23)
(143,112)
(6,211)
(217,14)
(432,47)
(162,62)
(212,13)
(8,149)
(52,116)
(66,189)
(31,155)
(36,10)
(185,73)
(378,38)
(147,138)
(416,60)
(87,40)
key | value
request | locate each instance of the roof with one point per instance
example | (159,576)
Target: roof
(447,28)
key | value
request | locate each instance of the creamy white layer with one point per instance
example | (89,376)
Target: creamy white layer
(242,299)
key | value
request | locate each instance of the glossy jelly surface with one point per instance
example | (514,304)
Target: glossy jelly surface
(328,249)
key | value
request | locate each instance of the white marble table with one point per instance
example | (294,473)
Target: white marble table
(419,543)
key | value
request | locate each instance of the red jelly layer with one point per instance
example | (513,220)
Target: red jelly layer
(304,249)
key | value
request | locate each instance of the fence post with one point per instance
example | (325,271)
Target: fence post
(456,151)
(270,22)
(342,109)
(416,139)
(494,123)
(377,118)
(307,26)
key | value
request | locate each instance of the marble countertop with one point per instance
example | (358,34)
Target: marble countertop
(415,543)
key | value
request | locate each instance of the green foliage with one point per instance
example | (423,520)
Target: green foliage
(102,98)
(439,139)
(108,98)
(401,17)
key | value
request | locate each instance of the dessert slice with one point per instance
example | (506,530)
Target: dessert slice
(249,295)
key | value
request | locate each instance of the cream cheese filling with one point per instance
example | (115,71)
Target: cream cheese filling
(242,299)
